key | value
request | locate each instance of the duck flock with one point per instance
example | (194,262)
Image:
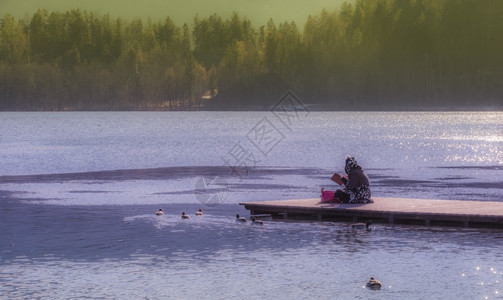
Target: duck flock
(253,220)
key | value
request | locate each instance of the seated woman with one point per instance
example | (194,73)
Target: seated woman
(356,183)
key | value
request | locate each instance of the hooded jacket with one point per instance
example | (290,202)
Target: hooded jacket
(356,175)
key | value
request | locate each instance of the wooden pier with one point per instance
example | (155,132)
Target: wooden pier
(391,210)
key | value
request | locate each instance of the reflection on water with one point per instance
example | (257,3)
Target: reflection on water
(59,142)
(128,252)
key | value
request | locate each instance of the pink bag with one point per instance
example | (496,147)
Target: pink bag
(327,196)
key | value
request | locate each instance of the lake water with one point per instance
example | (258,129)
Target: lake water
(78,192)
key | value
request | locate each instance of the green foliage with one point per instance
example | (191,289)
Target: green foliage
(370,54)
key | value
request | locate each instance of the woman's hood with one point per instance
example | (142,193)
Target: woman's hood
(351,164)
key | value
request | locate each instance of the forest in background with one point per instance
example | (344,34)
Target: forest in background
(372,54)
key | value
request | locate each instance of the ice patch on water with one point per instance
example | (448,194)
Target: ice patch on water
(263,183)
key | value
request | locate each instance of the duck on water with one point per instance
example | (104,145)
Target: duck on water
(256,221)
(359,226)
(240,219)
(374,284)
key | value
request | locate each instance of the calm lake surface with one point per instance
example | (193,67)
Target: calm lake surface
(78,192)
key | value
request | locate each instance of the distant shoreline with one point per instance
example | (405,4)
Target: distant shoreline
(309,107)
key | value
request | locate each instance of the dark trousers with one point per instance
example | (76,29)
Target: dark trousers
(343,196)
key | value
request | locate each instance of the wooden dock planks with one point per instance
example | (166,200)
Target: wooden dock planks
(393,210)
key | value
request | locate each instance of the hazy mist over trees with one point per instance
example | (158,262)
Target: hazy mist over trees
(370,54)
(180,11)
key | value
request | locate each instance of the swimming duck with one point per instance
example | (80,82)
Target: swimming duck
(257,222)
(365,226)
(185,216)
(374,284)
(159,212)
(240,219)
(199,212)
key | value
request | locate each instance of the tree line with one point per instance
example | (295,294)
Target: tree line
(370,54)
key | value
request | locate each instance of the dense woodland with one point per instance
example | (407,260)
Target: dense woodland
(371,54)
